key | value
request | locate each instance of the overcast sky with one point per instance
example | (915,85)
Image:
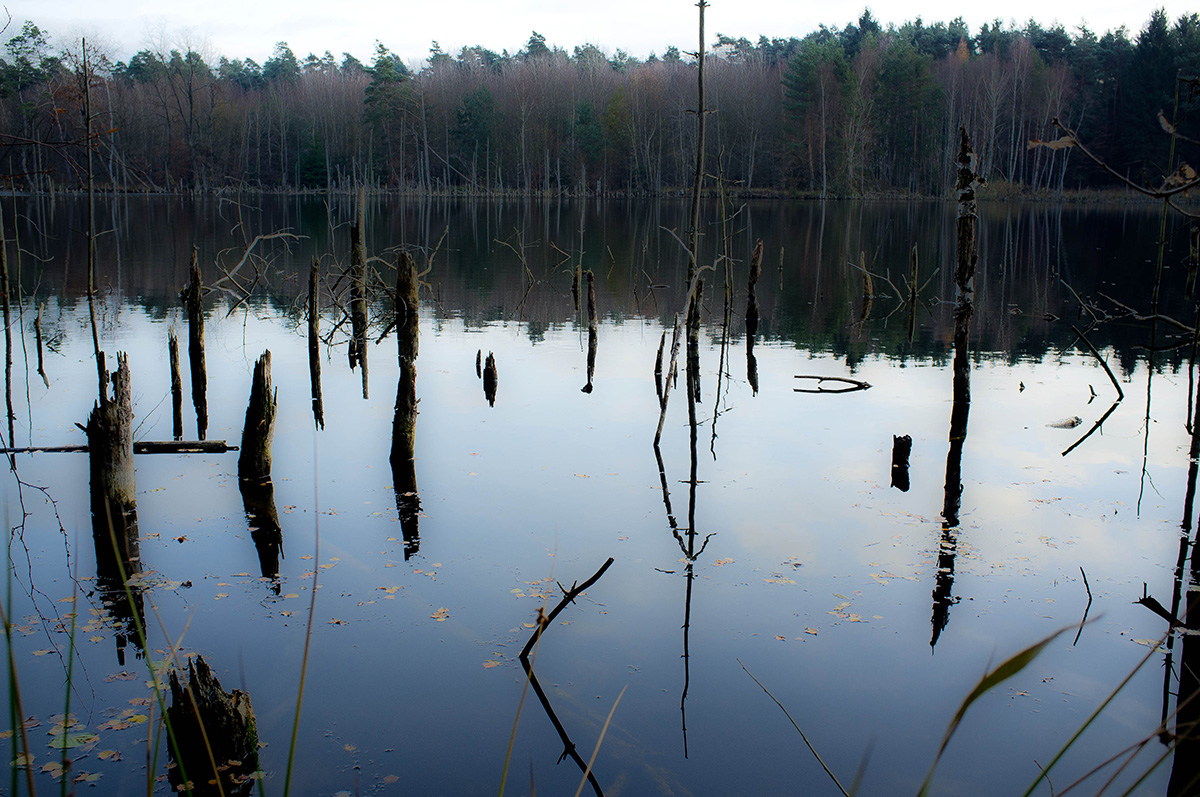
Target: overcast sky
(241,29)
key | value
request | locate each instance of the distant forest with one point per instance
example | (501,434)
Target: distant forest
(862,111)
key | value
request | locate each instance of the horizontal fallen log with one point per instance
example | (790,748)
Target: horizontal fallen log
(846,385)
(144,447)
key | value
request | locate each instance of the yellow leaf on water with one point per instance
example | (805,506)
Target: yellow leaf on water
(349,748)
(781,638)
(487,665)
(291,595)
(441,615)
(106,755)
(42,652)
(721,562)
(810,630)
(306,556)
(390,779)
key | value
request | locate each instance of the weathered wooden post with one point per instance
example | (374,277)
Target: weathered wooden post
(314,343)
(176,385)
(193,301)
(211,728)
(254,461)
(404,422)
(358,292)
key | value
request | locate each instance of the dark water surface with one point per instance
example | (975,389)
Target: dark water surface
(807,567)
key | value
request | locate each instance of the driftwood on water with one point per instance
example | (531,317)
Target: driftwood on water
(139,447)
(215,734)
(193,302)
(844,384)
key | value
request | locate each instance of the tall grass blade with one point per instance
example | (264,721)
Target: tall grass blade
(312,610)
(600,741)
(811,749)
(1005,670)
(1046,770)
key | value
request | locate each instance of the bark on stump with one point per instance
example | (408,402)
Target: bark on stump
(204,717)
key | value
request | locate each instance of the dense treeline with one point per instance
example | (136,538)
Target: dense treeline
(858,111)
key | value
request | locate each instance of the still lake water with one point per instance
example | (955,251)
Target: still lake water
(816,574)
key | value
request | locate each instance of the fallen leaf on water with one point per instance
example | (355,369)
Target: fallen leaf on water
(349,748)
(222,595)
(6,734)
(120,676)
(67,741)
(306,556)
(810,630)
(42,652)
(781,638)
(487,665)
(389,779)
(720,562)
(107,755)
(23,760)
(87,777)
(291,595)
(441,615)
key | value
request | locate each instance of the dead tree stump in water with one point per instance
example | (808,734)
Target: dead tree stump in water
(176,385)
(212,726)
(593,326)
(193,301)
(751,294)
(358,293)
(901,449)
(254,462)
(314,343)
(37,332)
(693,344)
(490,379)
(114,498)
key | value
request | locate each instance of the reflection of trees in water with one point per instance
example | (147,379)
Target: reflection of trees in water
(1025,249)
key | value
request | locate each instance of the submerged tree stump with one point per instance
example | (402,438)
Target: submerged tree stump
(593,326)
(192,300)
(210,726)
(254,462)
(901,449)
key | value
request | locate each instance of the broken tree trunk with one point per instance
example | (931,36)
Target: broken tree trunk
(212,728)
(358,292)
(901,449)
(176,385)
(192,300)
(114,497)
(693,343)
(254,463)
(314,343)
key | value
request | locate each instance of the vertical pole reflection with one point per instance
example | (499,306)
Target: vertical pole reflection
(404,422)
(964,274)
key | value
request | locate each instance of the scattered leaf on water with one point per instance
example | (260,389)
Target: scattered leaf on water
(487,665)
(109,755)
(349,748)
(810,630)
(222,595)
(306,556)
(87,777)
(781,638)
(42,652)
(67,741)
(441,615)
(720,562)
(123,675)
(6,734)
(23,760)
(291,595)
